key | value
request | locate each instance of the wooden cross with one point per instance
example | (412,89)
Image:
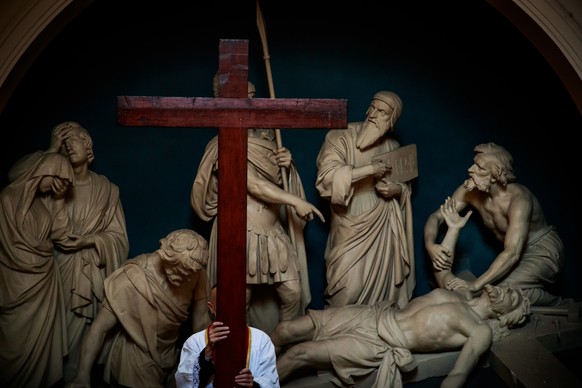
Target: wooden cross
(234,113)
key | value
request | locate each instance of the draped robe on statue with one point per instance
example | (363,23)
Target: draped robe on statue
(94,209)
(361,339)
(150,313)
(33,338)
(271,257)
(368,256)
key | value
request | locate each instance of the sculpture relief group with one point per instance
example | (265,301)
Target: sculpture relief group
(74,308)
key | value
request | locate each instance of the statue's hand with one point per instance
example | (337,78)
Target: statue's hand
(440,257)
(59,137)
(59,187)
(283,157)
(452,218)
(388,189)
(306,209)
(456,283)
(75,242)
(380,168)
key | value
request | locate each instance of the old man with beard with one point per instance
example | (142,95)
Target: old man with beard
(368,255)
(532,254)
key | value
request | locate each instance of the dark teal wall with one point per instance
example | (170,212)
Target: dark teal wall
(466,76)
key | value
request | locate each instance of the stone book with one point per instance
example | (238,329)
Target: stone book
(403,161)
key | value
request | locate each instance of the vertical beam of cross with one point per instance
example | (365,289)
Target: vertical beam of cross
(234,113)
(232,217)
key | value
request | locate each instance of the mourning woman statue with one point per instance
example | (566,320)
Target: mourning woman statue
(33,219)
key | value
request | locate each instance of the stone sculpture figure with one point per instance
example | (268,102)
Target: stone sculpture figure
(148,299)
(368,254)
(354,341)
(100,245)
(33,217)
(533,253)
(273,260)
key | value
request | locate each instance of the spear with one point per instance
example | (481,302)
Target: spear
(267,58)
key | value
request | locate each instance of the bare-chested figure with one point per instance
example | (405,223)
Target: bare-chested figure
(356,340)
(532,255)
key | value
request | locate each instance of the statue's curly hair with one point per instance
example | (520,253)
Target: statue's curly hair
(184,247)
(503,323)
(501,161)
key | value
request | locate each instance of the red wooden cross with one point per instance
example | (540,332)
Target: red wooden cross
(234,113)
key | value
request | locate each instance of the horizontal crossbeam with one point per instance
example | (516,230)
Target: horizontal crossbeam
(231,112)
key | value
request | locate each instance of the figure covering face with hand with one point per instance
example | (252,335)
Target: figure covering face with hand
(272,258)
(196,368)
(369,255)
(354,341)
(532,254)
(99,244)
(33,218)
(148,299)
